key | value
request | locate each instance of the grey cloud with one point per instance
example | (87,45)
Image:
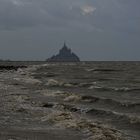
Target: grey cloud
(24,14)
(52,14)
(67,13)
(116,15)
(108,25)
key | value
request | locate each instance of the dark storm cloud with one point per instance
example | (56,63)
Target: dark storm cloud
(104,26)
(91,14)
(19,14)
(50,13)
(116,14)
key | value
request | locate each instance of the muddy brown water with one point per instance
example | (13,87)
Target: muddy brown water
(64,99)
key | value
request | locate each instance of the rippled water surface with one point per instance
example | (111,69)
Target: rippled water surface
(87,100)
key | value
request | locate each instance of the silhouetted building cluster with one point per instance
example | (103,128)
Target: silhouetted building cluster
(65,55)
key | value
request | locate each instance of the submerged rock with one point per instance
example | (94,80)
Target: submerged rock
(65,55)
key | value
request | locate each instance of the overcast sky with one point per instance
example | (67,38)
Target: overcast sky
(94,29)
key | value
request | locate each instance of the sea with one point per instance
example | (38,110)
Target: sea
(81,101)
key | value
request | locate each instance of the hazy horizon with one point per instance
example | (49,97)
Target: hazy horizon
(95,30)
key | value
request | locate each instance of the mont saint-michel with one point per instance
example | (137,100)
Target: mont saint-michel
(65,55)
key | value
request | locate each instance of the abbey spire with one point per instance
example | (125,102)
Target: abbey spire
(65,55)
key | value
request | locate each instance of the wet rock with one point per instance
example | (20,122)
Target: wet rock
(11,67)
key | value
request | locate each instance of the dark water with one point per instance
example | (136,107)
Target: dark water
(104,92)
(112,88)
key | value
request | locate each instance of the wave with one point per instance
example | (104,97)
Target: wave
(103,70)
(117,89)
(68,107)
(112,103)
(126,89)
(115,117)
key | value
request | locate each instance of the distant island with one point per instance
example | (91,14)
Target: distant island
(65,55)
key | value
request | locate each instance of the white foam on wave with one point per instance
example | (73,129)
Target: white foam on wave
(72,98)
(52,82)
(27,80)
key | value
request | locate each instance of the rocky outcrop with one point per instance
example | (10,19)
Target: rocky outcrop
(3,67)
(65,55)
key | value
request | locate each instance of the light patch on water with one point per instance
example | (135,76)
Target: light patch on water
(27,80)
(72,98)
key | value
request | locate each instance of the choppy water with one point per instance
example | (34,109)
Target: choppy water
(107,93)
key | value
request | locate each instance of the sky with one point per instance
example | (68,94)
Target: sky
(93,29)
